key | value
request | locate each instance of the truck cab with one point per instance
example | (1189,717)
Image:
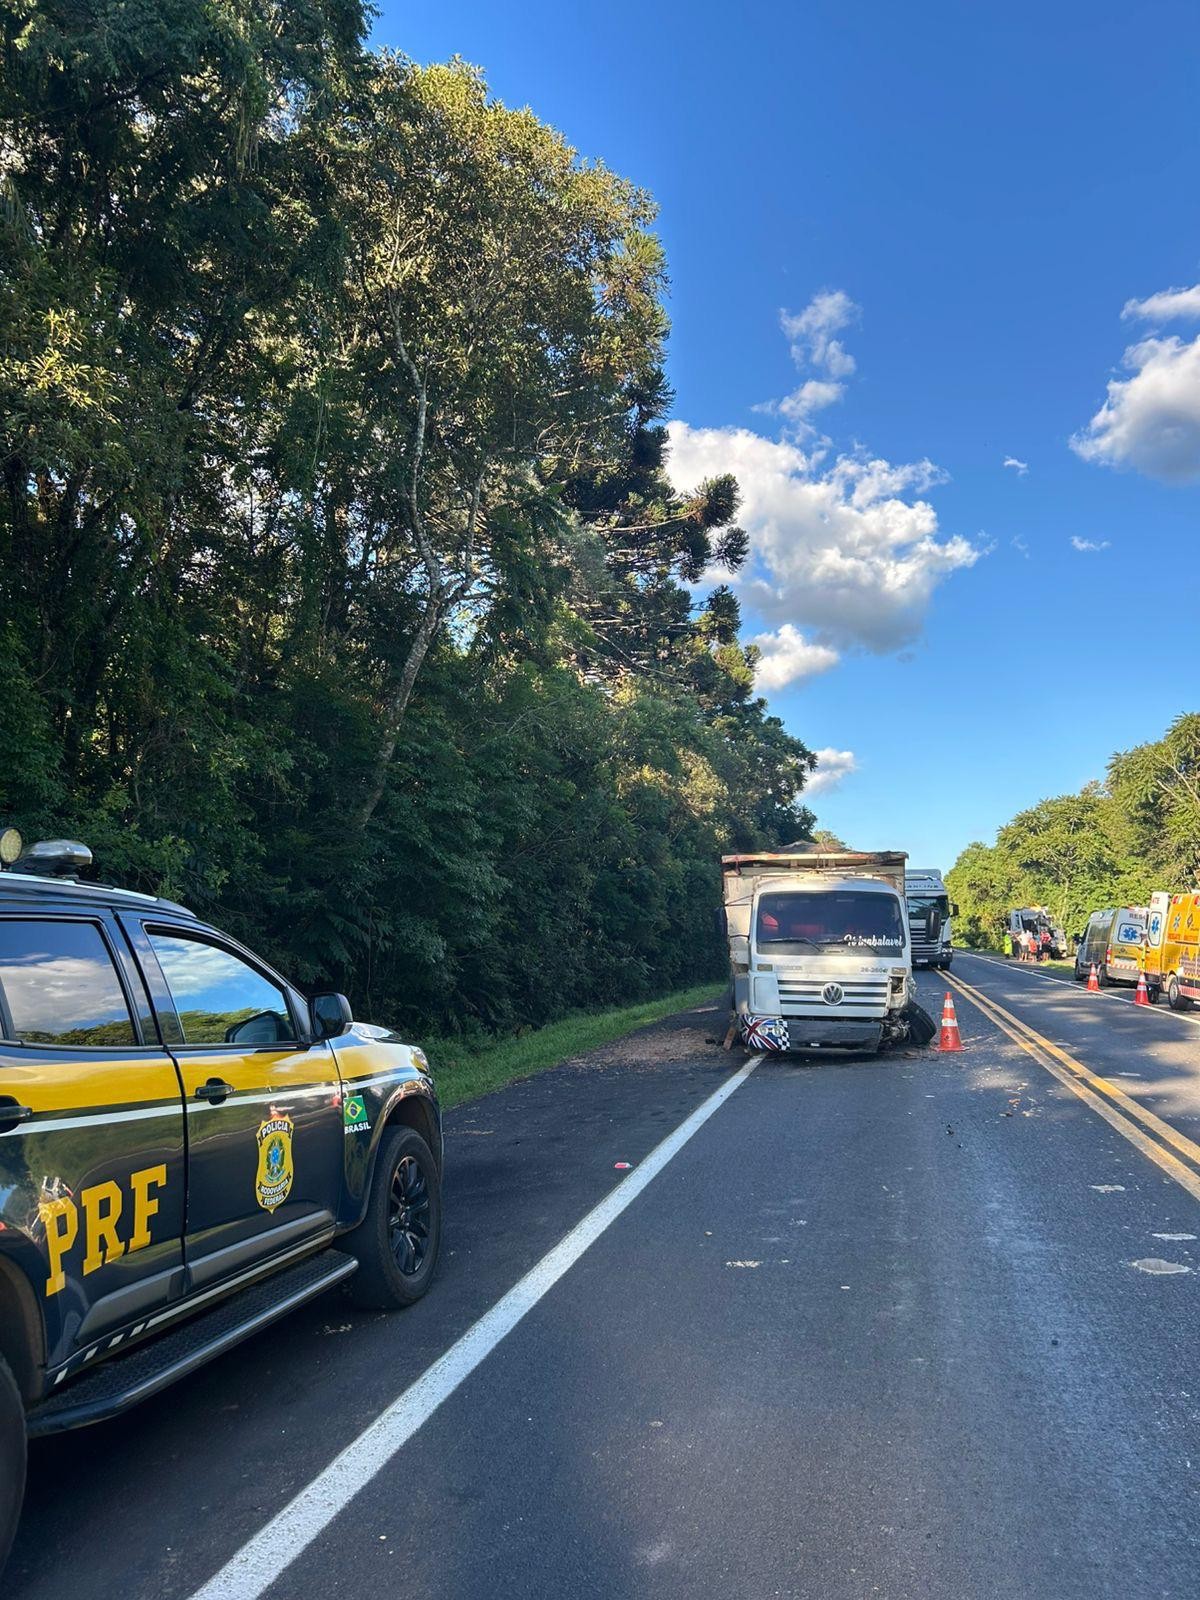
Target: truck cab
(930,914)
(1036,920)
(819,949)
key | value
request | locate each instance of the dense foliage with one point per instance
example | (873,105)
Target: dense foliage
(1112,844)
(342,591)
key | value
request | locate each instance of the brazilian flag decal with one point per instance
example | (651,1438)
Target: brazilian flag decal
(354,1114)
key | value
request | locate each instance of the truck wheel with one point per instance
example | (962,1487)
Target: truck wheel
(922,1029)
(12,1459)
(396,1243)
(1175,999)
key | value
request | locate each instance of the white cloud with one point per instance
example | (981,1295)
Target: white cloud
(786,655)
(813,395)
(1021,546)
(1151,420)
(1019,467)
(842,549)
(1088,544)
(1165,305)
(811,332)
(832,767)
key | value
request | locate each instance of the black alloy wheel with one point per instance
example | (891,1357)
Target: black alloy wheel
(410,1216)
(396,1243)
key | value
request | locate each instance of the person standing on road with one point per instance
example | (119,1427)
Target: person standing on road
(1044,945)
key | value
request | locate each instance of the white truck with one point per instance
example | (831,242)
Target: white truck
(819,949)
(1036,920)
(930,917)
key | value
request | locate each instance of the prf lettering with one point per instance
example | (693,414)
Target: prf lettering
(102,1205)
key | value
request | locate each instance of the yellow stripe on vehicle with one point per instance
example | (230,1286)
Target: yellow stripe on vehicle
(52,1084)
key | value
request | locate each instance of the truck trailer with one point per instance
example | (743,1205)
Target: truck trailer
(819,949)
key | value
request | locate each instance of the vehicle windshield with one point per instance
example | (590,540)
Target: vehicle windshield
(851,919)
(920,905)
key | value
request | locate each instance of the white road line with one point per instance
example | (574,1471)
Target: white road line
(263,1558)
(1105,994)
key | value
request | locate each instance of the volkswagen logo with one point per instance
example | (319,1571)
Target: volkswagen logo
(832,994)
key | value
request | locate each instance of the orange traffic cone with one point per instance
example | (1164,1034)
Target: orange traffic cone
(1093,982)
(949,1039)
(1142,997)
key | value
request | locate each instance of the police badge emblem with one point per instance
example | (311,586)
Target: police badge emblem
(275,1173)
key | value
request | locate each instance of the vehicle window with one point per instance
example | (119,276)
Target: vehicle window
(856,918)
(220,998)
(920,905)
(60,985)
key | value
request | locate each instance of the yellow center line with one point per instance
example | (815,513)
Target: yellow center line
(1103,1097)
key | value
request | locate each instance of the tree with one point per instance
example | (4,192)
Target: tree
(501,298)
(1111,844)
(344,594)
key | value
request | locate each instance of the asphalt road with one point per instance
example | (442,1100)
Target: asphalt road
(878,1328)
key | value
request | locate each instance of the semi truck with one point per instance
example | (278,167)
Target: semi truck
(930,913)
(819,949)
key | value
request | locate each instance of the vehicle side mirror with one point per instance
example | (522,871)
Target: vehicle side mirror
(331,1015)
(954,908)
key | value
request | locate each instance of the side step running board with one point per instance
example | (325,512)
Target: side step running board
(126,1380)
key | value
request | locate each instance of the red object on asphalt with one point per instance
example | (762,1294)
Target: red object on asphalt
(1142,997)
(622,1166)
(949,1039)
(1094,980)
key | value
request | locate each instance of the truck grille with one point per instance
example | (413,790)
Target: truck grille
(801,997)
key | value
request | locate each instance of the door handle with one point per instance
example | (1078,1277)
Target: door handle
(11,1113)
(214,1091)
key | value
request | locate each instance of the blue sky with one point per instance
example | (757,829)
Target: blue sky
(954,204)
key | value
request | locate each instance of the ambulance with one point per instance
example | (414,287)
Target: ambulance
(1173,948)
(1115,943)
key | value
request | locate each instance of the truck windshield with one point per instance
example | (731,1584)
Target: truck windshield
(853,919)
(920,905)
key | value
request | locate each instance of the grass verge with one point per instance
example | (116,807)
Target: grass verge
(463,1070)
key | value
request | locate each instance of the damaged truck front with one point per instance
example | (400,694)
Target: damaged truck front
(819,950)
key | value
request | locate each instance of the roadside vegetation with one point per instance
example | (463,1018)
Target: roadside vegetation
(343,594)
(1111,844)
(467,1067)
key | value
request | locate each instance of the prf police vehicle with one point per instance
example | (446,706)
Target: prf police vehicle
(188,1150)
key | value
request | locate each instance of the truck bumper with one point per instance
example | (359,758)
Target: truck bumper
(774,1034)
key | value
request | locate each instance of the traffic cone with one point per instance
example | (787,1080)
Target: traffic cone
(949,1039)
(1093,982)
(1141,998)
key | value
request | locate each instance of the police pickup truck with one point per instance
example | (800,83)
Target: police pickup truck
(188,1149)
